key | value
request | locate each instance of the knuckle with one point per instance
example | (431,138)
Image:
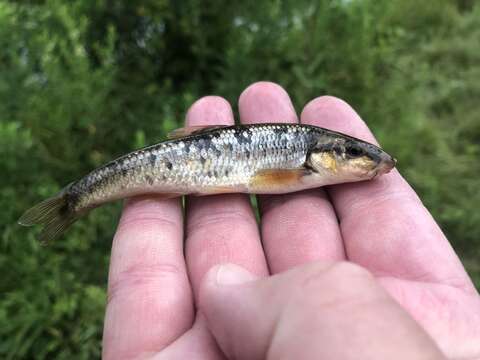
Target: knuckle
(339,269)
(143,220)
(347,270)
(341,285)
(212,219)
(321,277)
(140,279)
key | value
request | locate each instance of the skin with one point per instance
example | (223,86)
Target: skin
(292,291)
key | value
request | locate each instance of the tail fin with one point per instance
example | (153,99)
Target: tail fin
(54,213)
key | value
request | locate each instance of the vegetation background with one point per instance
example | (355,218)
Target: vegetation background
(84,81)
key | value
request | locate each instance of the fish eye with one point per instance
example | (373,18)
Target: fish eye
(354,151)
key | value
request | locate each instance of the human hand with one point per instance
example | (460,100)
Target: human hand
(315,311)
(382,226)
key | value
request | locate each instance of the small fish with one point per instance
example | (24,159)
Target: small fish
(255,159)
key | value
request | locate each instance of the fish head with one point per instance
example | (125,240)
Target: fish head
(343,158)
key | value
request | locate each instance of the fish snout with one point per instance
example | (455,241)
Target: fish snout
(385,164)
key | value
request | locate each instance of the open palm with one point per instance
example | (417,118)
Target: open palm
(381,225)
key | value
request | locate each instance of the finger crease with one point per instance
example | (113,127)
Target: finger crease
(139,276)
(148,218)
(357,207)
(225,217)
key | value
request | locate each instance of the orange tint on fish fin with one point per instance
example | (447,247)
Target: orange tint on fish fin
(276,179)
(216,190)
(192,130)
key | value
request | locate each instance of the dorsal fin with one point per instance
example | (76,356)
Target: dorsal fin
(191,130)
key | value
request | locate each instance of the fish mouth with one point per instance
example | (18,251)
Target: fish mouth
(386,164)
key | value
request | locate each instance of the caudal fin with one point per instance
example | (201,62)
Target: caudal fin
(54,214)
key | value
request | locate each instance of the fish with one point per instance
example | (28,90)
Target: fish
(255,159)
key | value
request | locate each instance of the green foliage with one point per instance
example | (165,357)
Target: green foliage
(84,81)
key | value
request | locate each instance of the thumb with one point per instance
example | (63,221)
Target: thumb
(229,300)
(309,312)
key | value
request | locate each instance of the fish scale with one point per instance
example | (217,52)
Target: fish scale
(260,158)
(218,158)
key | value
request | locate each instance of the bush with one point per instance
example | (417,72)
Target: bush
(84,81)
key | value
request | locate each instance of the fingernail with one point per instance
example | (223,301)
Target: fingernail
(230,274)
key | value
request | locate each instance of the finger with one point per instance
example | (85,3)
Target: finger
(384,224)
(221,227)
(296,228)
(307,313)
(198,341)
(149,296)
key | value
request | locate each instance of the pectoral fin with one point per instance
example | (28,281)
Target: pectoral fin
(277,180)
(192,130)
